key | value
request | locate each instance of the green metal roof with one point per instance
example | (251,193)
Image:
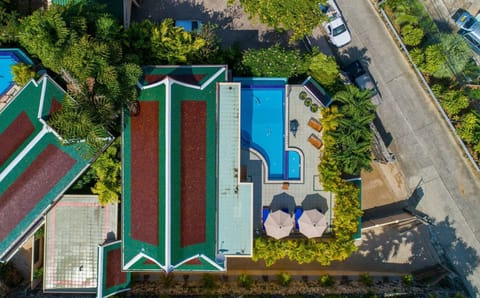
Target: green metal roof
(111,279)
(165,93)
(37,168)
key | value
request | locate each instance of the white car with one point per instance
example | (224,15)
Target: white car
(335,27)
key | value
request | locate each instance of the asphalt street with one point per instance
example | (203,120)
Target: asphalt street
(449,190)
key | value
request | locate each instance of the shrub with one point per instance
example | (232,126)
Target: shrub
(245,281)
(418,57)
(208,281)
(453,101)
(407,280)
(307,102)
(434,59)
(365,279)
(326,281)
(314,108)
(167,280)
(302,95)
(38,273)
(22,73)
(40,232)
(324,69)
(411,35)
(284,279)
(469,128)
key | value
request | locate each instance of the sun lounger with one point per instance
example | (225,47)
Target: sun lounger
(298,213)
(315,141)
(315,124)
(266,211)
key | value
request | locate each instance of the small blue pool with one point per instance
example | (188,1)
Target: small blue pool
(9,57)
(263,125)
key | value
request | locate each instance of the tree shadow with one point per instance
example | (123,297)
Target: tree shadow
(224,17)
(458,256)
(351,54)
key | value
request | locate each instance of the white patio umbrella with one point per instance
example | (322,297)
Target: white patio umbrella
(279,224)
(312,223)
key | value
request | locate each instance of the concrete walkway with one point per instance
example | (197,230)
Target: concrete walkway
(426,151)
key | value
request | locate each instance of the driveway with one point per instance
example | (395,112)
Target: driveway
(426,151)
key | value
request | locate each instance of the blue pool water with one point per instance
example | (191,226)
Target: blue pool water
(9,57)
(263,125)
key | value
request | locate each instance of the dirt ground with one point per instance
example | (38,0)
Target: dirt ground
(385,184)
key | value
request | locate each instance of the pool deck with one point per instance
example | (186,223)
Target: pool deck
(310,185)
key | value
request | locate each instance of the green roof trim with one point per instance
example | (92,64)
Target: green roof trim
(111,280)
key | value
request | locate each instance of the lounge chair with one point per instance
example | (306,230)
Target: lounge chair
(315,141)
(265,212)
(298,213)
(315,124)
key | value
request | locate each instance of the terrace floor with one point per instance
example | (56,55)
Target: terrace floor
(310,185)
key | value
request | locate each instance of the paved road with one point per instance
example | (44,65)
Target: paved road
(425,148)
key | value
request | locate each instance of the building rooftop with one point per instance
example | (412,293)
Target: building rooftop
(235,199)
(35,168)
(74,229)
(111,279)
(170,164)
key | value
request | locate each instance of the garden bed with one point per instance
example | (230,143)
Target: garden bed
(226,284)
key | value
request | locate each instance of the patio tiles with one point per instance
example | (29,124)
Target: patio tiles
(311,158)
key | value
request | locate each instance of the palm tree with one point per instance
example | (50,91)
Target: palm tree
(355,102)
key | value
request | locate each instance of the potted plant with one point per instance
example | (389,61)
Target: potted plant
(307,102)
(302,95)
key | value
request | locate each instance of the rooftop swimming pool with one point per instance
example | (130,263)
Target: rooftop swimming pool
(9,57)
(263,126)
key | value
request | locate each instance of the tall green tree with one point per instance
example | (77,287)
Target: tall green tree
(83,45)
(8,26)
(173,45)
(298,17)
(353,137)
(45,34)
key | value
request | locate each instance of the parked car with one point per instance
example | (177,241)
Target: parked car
(189,25)
(363,80)
(469,28)
(335,27)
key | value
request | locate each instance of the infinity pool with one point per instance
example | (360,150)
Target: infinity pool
(9,57)
(263,125)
